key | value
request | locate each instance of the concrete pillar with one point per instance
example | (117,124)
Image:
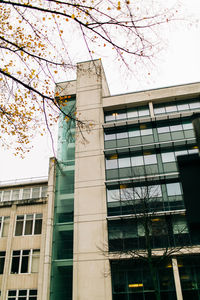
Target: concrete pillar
(177,279)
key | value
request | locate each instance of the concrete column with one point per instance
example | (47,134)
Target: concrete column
(44,278)
(177,279)
(90,264)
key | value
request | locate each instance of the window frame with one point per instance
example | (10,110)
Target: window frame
(22,259)
(25,220)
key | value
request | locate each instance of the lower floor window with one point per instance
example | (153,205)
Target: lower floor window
(22,295)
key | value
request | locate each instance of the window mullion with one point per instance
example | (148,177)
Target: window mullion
(20,262)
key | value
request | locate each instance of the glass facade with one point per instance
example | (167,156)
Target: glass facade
(145,204)
(62,255)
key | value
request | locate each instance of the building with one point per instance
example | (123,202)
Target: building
(133,143)
(79,234)
(25,237)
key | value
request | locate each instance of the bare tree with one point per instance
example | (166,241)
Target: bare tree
(154,241)
(40,41)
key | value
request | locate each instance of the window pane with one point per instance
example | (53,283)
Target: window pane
(155,191)
(171,108)
(109,136)
(38,226)
(15,194)
(124,162)
(168,157)
(179,225)
(183,152)
(28,227)
(194,105)
(146,131)
(187,125)
(150,159)
(25,261)
(2,261)
(137,161)
(132,113)
(15,264)
(163,129)
(26,193)
(6,195)
(176,128)
(111,163)
(35,261)
(36,192)
(5,226)
(133,132)
(109,117)
(183,107)
(44,191)
(113,195)
(122,135)
(19,226)
(143,112)
(173,189)
(159,110)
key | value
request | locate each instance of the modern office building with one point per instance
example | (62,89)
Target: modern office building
(113,195)
(123,172)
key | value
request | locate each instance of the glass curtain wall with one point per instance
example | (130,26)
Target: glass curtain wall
(62,255)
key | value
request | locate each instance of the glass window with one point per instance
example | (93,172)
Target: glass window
(154,191)
(2,261)
(109,117)
(122,135)
(183,152)
(187,125)
(150,159)
(168,157)
(124,162)
(5,226)
(159,110)
(179,225)
(15,194)
(146,131)
(44,191)
(137,161)
(163,129)
(173,189)
(113,195)
(143,112)
(6,195)
(22,295)
(26,193)
(126,193)
(111,162)
(183,106)
(176,128)
(36,192)
(194,105)
(120,115)
(133,132)
(171,108)
(132,113)
(109,136)
(28,224)
(25,261)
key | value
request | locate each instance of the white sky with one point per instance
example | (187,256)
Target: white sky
(178,64)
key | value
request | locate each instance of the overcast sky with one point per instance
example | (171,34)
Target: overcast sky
(178,64)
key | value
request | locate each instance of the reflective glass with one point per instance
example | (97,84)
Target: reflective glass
(182,107)
(146,131)
(113,195)
(132,113)
(173,189)
(133,132)
(168,157)
(137,161)
(143,112)
(194,105)
(124,162)
(163,129)
(176,128)
(159,110)
(150,159)
(171,108)
(122,135)
(111,164)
